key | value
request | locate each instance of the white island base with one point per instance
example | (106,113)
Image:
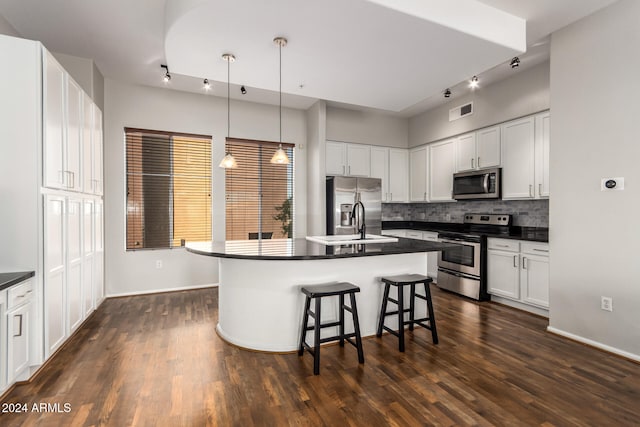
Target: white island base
(260,303)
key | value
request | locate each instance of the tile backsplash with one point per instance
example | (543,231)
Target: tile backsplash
(526,213)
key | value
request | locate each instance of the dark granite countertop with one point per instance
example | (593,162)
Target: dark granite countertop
(534,234)
(302,249)
(9,279)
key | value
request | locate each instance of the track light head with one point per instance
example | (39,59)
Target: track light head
(166,76)
(515,62)
(473,83)
(207,85)
(447,93)
(243,90)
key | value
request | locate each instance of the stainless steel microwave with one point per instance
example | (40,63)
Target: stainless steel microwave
(480,184)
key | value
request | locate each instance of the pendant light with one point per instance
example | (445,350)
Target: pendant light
(280,157)
(228,162)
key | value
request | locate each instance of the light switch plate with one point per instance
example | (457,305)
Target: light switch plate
(608,184)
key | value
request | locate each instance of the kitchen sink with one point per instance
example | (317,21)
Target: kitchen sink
(351,239)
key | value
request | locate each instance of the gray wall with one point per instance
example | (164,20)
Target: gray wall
(366,127)
(594,235)
(526,213)
(7,29)
(145,107)
(527,92)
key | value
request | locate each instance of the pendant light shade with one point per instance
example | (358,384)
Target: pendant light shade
(228,162)
(280,157)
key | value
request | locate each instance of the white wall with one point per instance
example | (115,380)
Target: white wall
(526,92)
(366,127)
(594,235)
(144,107)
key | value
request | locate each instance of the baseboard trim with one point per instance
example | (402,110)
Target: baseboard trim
(595,344)
(160,291)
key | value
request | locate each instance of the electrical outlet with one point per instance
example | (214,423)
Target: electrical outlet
(606,303)
(159,263)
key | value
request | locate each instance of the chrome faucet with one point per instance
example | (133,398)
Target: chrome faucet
(362,229)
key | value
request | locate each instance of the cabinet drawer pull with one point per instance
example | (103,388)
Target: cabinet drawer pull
(19,334)
(515,261)
(540,250)
(502,246)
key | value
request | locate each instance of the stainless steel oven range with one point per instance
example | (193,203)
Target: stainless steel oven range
(463,270)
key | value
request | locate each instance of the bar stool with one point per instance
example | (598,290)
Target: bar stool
(318,292)
(400,281)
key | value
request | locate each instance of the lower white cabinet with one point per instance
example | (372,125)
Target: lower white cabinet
(519,271)
(432,236)
(3,341)
(19,315)
(55,273)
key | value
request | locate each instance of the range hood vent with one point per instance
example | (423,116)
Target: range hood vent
(461,111)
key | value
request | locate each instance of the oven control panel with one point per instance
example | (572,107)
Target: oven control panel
(489,219)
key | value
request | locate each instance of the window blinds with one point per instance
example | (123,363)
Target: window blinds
(259,194)
(168,188)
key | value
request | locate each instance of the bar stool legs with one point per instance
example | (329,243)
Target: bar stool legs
(400,282)
(317,292)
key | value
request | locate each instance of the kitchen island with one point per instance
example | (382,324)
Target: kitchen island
(259,300)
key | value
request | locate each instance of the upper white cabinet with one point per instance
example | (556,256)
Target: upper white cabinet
(348,159)
(54,76)
(442,166)
(542,154)
(73,167)
(525,157)
(398,175)
(518,149)
(418,158)
(380,169)
(96,142)
(478,150)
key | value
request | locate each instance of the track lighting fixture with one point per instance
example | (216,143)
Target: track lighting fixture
(228,162)
(166,76)
(243,90)
(474,82)
(447,93)
(515,62)
(207,85)
(280,156)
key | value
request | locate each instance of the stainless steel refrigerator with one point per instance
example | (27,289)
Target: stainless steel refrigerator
(342,193)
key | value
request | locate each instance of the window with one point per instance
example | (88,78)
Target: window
(168,188)
(259,194)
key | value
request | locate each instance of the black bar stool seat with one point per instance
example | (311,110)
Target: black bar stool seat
(400,281)
(317,292)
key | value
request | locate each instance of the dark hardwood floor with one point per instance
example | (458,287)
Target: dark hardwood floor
(156,360)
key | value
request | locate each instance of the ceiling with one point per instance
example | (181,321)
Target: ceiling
(396,56)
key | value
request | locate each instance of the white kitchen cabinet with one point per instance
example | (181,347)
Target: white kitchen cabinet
(534,274)
(518,271)
(55,273)
(478,150)
(398,175)
(348,159)
(54,77)
(88,261)
(98,264)
(19,314)
(542,123)
(442,166)
(3,341)
(62,127)
(96,138)
(380,169)
(431,236)
(74,283)
(418,158)
(518,149)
